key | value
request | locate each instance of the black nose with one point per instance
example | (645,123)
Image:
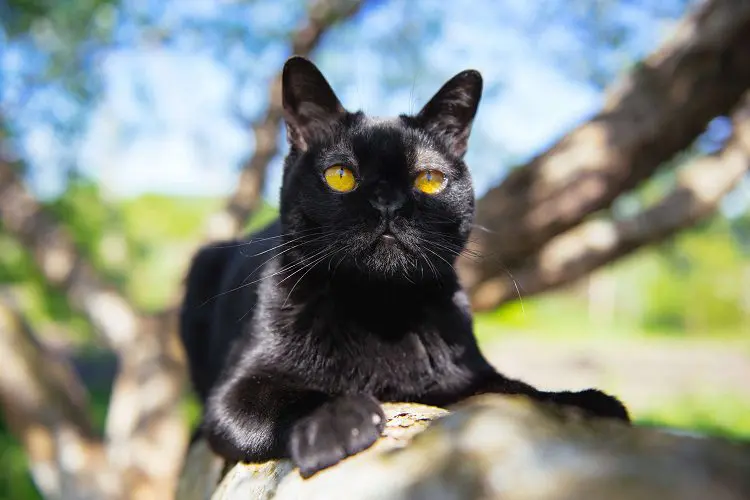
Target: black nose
(388,205)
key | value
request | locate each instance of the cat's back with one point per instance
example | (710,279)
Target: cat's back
(244,272)
(220,290)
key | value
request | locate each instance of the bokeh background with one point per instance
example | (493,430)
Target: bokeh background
(614,252)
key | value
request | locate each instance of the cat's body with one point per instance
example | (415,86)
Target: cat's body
(350,299)
(398,343)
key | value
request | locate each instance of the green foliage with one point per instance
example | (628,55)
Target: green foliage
(59,39)
(71,18)
(722,415)
(142,244)
(46,307)
(697,282)
(15,479)
(96,227)
(693,285)
(167,231)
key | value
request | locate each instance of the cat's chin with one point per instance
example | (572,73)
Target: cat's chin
(389,260)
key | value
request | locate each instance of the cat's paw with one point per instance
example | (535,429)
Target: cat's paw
(340,428)
(595,402)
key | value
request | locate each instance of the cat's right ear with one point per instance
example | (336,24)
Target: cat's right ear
(310,105)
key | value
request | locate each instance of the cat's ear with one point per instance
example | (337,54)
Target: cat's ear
(310,105)
(451,111)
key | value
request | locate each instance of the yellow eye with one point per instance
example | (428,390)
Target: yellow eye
(430,181)
(340,178)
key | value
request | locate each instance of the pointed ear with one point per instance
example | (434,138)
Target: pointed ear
(310,105)
(451,111)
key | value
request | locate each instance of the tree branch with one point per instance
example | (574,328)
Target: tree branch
(323,15)
(653,113)
(593,244)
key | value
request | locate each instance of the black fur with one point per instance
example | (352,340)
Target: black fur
(295,335)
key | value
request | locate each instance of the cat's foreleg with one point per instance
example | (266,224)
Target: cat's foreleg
(591,400)
(255,418)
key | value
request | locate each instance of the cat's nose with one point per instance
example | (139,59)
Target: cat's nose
(388,205)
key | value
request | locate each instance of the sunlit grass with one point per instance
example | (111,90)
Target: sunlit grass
(561,318)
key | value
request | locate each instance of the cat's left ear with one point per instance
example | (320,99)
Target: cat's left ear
(451,111)
(310,105)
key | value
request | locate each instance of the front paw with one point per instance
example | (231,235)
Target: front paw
(340,428)
(595,402)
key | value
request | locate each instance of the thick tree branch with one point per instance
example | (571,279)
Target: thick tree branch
(323,15)
(574,254)
(655,112)
(46,407)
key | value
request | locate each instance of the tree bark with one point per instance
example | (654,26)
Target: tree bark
(46,407)
(652,114)
(579,251)
(323,15)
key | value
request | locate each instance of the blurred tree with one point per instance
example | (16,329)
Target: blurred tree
(63,38)
(45,404)
(537,225)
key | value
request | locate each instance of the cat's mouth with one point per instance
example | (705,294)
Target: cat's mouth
(388,237)
(387,240)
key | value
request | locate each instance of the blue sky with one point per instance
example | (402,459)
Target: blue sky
(165,120)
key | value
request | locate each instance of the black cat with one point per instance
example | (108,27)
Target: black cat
(295,335)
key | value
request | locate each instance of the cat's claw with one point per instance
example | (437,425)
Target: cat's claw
(338,429)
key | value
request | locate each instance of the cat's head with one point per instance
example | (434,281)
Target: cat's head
(390,198)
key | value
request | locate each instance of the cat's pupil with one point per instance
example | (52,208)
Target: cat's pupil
(429,176)
(341,173)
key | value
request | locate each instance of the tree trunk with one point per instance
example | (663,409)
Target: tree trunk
(652,114)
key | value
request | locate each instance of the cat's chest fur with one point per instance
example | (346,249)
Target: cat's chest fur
(393,344)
